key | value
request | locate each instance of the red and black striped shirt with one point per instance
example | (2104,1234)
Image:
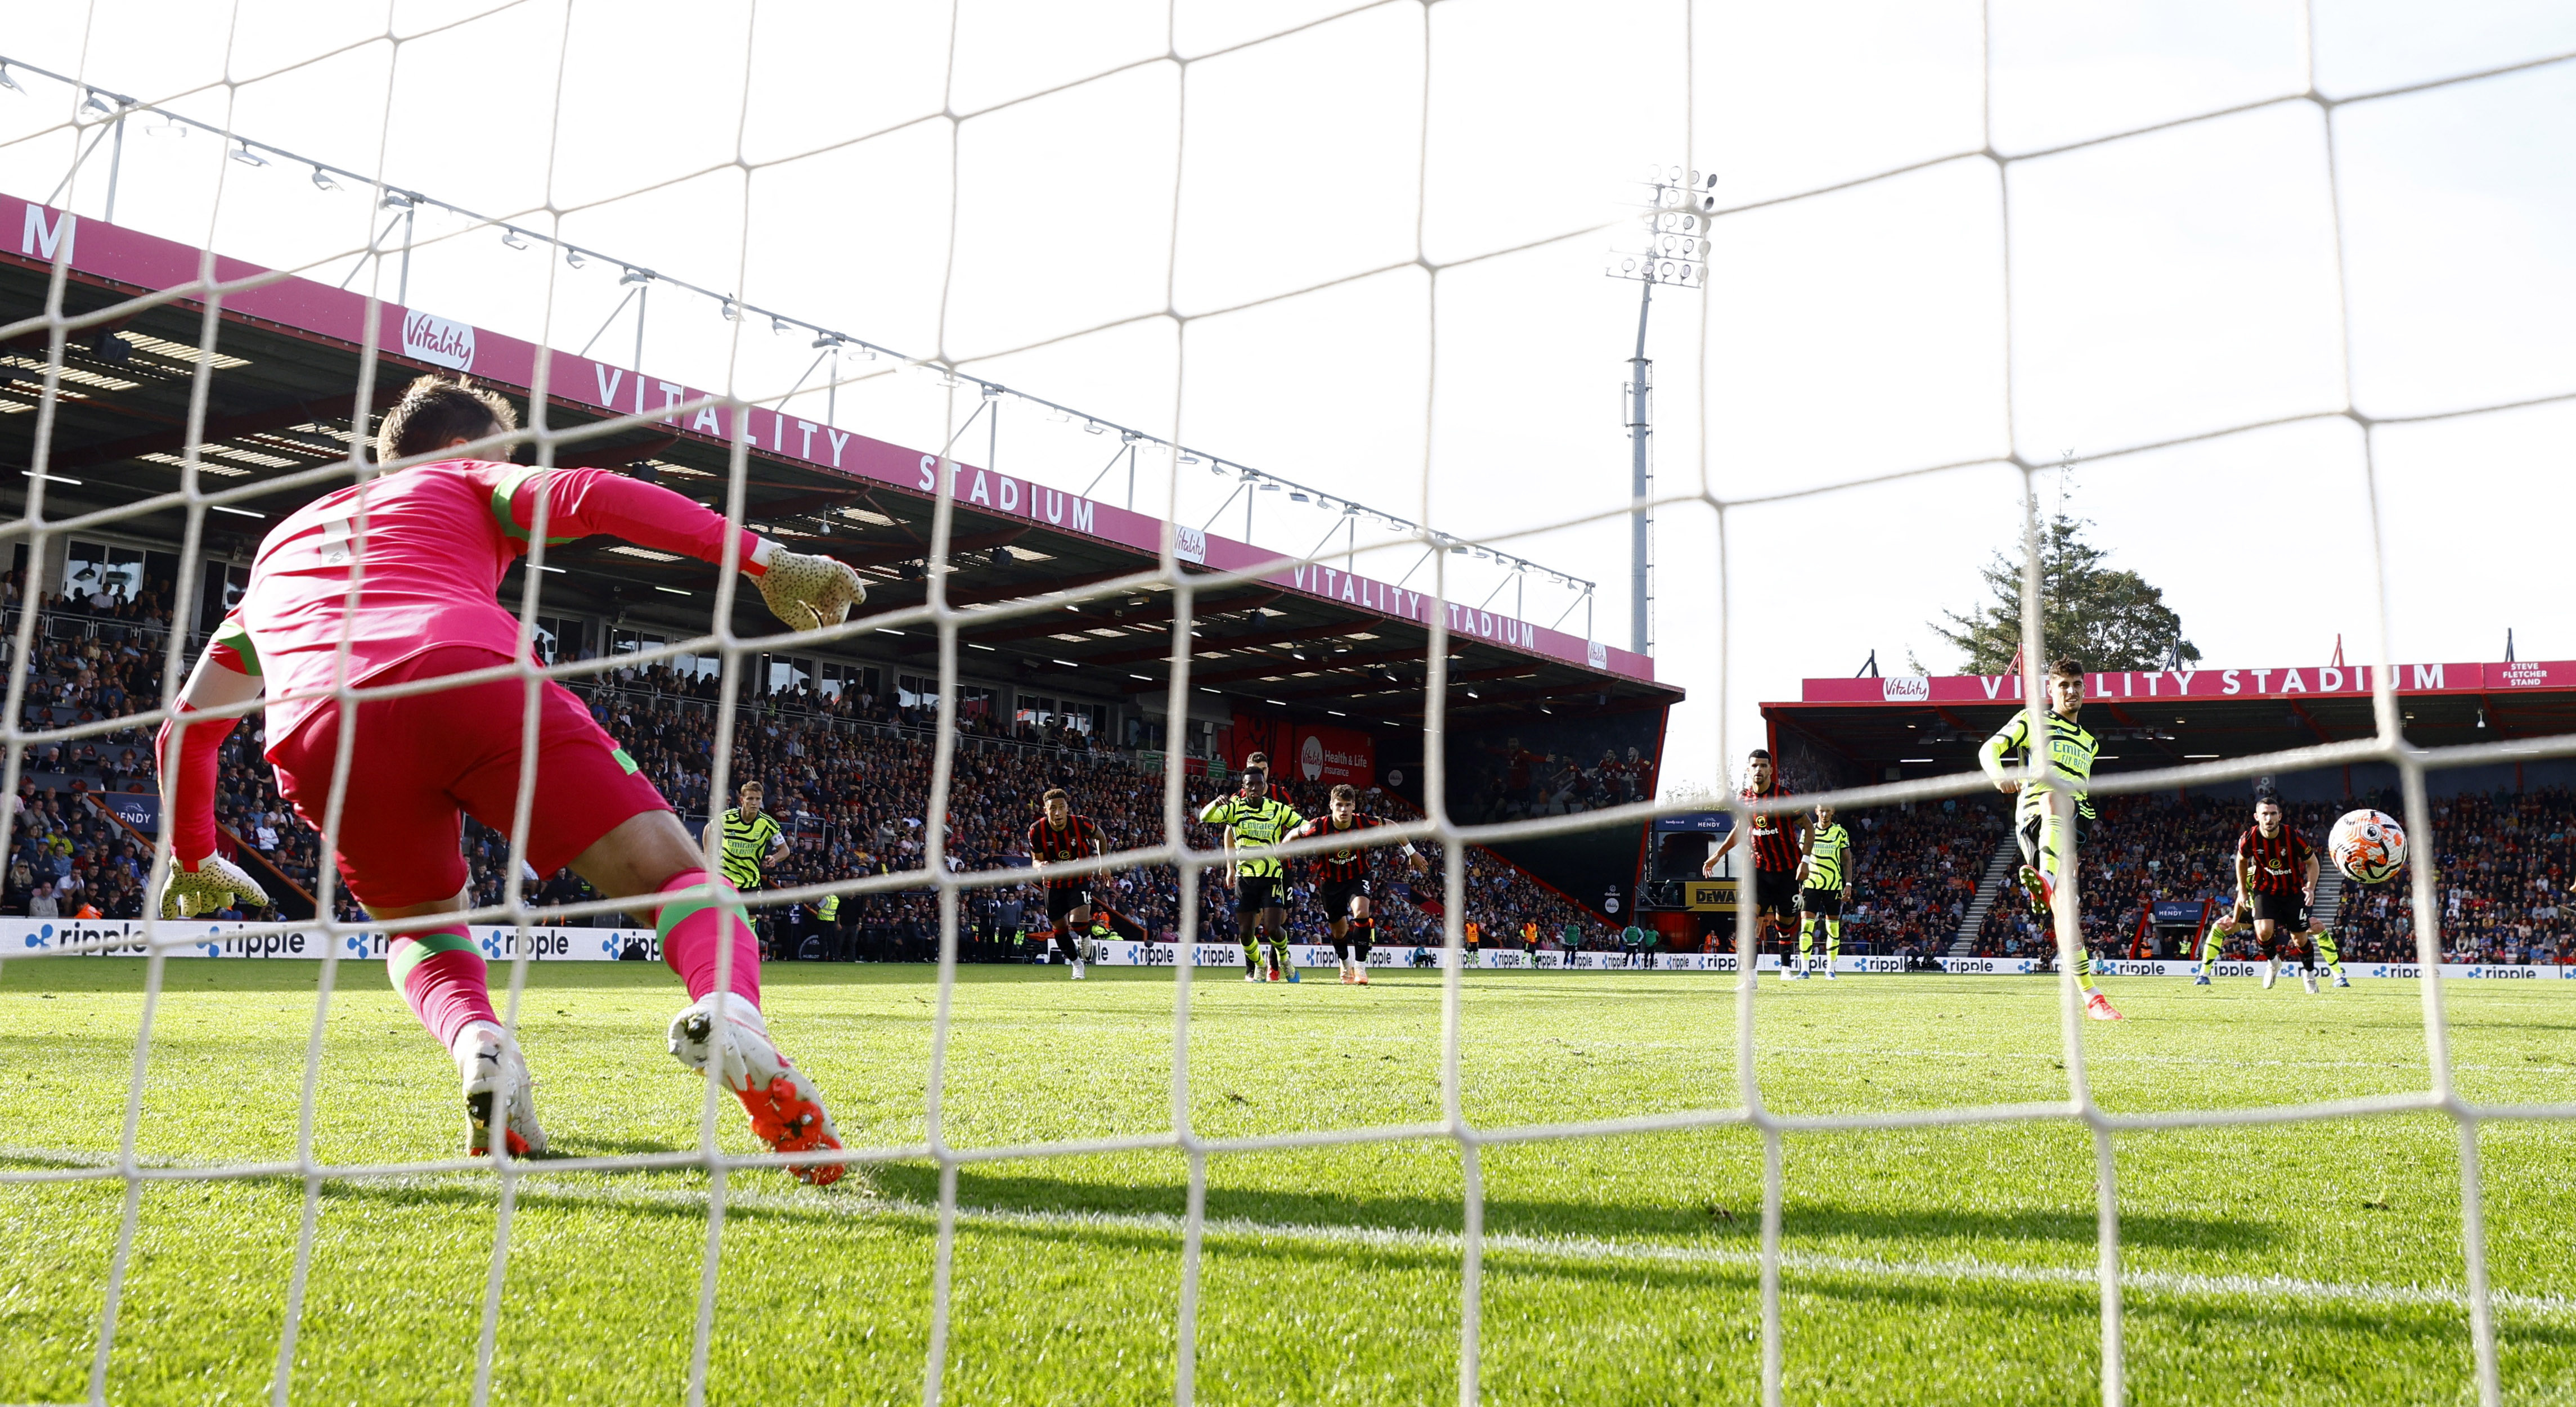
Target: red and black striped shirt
(2274,864)
(1346,865)
(1079,838)
(1775,845)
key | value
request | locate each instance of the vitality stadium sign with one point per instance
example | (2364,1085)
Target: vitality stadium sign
(2279,681)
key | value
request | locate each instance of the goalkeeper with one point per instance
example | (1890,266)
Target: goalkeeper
(400,571)
(2046,848)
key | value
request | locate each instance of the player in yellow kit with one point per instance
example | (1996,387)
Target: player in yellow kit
(2046,843)
(1823,889)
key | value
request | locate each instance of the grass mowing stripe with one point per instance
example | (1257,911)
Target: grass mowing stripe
(1573,1248)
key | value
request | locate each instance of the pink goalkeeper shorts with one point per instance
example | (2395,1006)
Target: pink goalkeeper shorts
(421,762)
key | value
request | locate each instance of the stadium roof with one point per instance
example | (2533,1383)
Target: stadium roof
(280,400)
(1916,726)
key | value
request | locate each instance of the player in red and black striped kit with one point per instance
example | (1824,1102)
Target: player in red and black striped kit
(1342,876)
(1779,857)
(1058,844)
(2276,885)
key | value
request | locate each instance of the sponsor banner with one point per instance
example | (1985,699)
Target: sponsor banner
(1708,896)
(2532,674)
(197,938)
(2013,966)
(430,338)
(2291,682)
(1118,953)
(22,937)
(2450,970)
(2177,911)
(1333,755)
(141,810)
(147,261)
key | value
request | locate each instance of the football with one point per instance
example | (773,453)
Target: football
(2368,846)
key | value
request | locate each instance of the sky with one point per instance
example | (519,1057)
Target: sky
(1363,248)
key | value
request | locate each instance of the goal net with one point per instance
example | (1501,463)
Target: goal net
(1045,252)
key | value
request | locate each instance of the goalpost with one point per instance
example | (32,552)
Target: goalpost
(203,493)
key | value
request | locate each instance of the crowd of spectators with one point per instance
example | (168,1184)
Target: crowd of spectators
(2505,866)
(853,792)
(1915,871)
(2504,862)
(2144,851)
(95,655)
(849,773)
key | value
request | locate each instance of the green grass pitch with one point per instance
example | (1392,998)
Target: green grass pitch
(2317,1262)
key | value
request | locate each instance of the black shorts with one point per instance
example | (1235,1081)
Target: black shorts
(1821,903)
(1336,896)
(2286,911)
(1253,893)
(1063,900)
(1774,891)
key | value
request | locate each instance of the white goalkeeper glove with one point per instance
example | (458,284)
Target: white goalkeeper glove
(206,886)
(807,592)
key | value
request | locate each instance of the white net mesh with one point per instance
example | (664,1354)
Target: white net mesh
(1200,155)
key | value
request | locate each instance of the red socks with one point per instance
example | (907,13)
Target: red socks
(441,975)
(695,931)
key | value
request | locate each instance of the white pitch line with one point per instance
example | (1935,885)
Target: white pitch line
(1578,1248)
(2231,1062)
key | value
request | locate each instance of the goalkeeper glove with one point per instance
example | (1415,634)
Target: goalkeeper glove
(206,886)
(808,592)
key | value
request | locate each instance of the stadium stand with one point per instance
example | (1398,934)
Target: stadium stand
(848,769)
(2505,861)
(1917,872)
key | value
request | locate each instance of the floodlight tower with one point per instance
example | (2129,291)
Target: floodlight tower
(1679,205)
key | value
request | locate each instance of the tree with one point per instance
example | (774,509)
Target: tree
(2106,619)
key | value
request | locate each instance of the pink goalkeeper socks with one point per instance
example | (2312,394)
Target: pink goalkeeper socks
(695,931)
(442,976)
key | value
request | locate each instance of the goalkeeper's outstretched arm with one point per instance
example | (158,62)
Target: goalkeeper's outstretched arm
(202,881)
(807,592)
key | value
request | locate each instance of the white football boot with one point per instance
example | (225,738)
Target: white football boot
(1077,969)
(2308,979)
(724,1035)
(496,1074)
(2271,972)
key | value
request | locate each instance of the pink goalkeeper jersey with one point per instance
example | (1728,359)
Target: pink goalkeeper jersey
(436,541)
